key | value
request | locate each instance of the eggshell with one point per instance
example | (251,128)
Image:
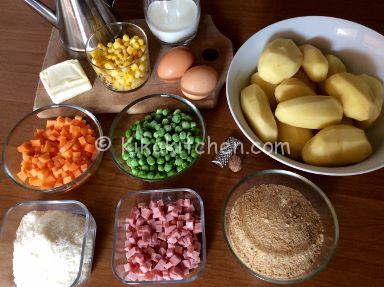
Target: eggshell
(198,82)
(174,63)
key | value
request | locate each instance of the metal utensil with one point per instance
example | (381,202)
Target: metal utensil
(226,151)
(76,20)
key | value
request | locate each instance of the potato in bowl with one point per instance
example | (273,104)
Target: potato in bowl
(345,46)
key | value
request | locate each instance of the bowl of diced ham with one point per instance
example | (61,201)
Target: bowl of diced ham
(159,237)
(53,149)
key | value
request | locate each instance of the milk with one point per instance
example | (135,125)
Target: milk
(173,21)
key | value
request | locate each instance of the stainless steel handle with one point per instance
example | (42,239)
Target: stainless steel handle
(110,3)
(43,10)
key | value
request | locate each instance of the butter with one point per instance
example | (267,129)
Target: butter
(65,80)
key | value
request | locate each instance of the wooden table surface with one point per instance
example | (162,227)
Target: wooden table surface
(358,200)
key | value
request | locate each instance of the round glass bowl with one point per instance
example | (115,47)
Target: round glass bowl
(23,132)
(118,52)
(313,194)
(11,222)
(138,110)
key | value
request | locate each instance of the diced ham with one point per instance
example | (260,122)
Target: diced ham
(147,266)
(162,236)
(156,257)
(179,250)
(189,224)
(160,203)
(169,265)
(175,259)
(146,213)
(127,267)
(132,252)
(131,276)
(179,224)
(197,228)
(187,263)
(141,205)
(160,265)
(162,251)
(170,252)
(140,221)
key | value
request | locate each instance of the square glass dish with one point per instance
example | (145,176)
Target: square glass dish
(123,209)
(11,223)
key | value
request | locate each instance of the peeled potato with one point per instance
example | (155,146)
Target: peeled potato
(280,60)
(354,94)
(268,88)
(258,113)
(335,65)
(337,146)
(378,97)
(295,137)
(302,76)
(310,112)
(292,88)
(315,64)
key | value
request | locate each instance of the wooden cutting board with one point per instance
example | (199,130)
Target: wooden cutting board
(102,100)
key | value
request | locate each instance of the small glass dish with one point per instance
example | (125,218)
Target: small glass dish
(11,223)
(127,77)
(125,205)
(24,130)
(313,194)
(137,110)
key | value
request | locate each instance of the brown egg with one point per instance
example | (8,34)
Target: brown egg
(174,63)
(198,82)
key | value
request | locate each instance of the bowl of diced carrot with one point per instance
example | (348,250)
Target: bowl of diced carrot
(53,149)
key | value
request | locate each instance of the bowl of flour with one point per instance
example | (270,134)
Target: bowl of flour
(280,226)
(47,244)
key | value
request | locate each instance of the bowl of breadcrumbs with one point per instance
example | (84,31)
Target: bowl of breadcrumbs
(280,226)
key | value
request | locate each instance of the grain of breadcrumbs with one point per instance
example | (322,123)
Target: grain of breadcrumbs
(275,231)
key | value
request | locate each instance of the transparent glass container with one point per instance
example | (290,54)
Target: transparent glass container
(173,22)
(125,205)
(23,131)
(128,77)
(313,194)
(137,110)
(12,220)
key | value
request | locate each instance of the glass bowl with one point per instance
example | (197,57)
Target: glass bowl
(12,220)
(23,131)
(125,205)
(313,194)
(137,110)
(128,77)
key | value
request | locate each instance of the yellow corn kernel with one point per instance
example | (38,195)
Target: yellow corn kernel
(142,67)
(109,45)
(125,38)
(134,67)
(141,41)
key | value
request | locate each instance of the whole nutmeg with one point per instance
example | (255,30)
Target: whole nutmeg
(234,163)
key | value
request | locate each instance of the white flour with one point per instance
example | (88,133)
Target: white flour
(47,249)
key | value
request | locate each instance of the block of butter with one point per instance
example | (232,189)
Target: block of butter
(65,80)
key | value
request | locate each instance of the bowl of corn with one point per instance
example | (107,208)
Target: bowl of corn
(118,52)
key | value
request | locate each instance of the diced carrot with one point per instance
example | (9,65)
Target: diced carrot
(76,173)
(60,122)
(67,121)
(90,139)
(67,179)
(82,141)
(83,167)
(51,124)
(39,133)
(56,171)
(89,148)
(35,182)
(23,177)
(76,154)
(58,183)
(35,143)
(44,158)
(67,154)
(73,167)
(74,130)
(40,164)
(24,147)
(50,164)
(79,118)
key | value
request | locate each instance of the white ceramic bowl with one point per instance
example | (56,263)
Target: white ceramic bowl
(361,49)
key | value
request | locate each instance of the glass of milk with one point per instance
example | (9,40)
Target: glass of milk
(173,22)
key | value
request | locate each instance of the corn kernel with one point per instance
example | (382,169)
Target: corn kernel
(125,38)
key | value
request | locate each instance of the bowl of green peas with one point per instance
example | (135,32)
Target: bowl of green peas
(156,142)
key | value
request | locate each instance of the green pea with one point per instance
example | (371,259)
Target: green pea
(179,168)
(185,125)
(156,154)
(190,139)
(147,152)
(134,171)
(145,167)
(173,154)
(158,175)
(167,157)
(163,152)
(160,167)
(169,147)
(185,165)
(159,111)
(132,154)
(142,174)
(175,137)
(125,155)
(148,117)
(183,154)
(165,112)
(147,134)
(168,137)
(130,147)
(177,111)
(178,129)
(176,118)
(142,162)
(145,141)
(150,160)
(192,125)
(161,144)
(182,135)
(152,168)
(178,161)
(194,153)
(161,132)
(138,135)
(160,160)
(134,162)
(198,140)
(167,167)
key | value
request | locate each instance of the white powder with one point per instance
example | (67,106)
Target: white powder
(47,249)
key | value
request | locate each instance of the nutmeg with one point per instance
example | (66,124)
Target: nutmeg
(234,163)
